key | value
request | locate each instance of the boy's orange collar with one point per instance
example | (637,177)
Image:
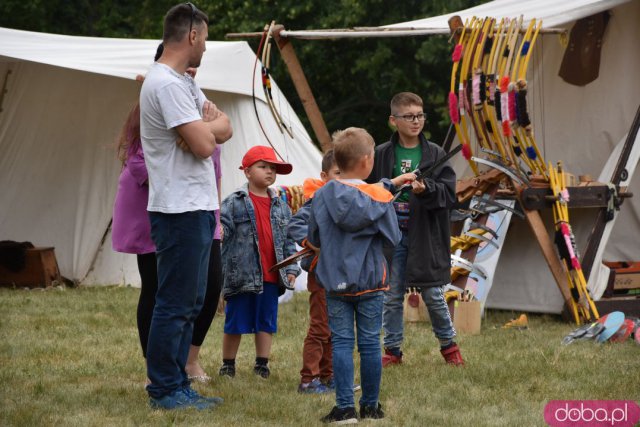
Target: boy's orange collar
(376,192)
(310,186)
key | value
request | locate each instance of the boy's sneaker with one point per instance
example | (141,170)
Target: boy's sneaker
(227,371)
(178,400)
(452,355)
(331,385)
(373,412)
(341,416)
(391,358)
(262,370)
(315,386)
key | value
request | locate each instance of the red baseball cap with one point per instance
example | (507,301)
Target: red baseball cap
(266,154)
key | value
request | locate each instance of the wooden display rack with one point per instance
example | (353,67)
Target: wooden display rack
(531,199)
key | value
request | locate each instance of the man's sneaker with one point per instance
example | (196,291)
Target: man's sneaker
(262,370)
(388,358)
(452,355)
(197,396)
(178,400)
(314,387)
(341,416)
(227,371)
(373,412)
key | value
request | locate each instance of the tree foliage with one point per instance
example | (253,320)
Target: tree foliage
(352,79)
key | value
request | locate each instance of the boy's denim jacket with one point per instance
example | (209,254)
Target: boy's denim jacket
(241,267)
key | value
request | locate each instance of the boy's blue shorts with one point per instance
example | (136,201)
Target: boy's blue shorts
(250,313)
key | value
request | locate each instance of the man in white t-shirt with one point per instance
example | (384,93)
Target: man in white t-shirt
(182,198)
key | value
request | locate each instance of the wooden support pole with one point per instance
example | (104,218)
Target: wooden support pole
(303,89)
(548,251)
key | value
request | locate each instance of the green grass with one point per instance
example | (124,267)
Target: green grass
(72,358)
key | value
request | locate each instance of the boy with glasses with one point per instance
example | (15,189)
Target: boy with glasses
(422,259)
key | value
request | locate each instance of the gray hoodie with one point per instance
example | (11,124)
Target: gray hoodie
(349,221)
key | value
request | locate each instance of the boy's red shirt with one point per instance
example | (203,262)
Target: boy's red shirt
(262,209)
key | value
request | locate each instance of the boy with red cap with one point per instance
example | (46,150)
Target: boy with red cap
(254,224)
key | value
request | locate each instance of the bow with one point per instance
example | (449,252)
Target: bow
(488,105)
(476,85)
(581,304)
(522,123)
(264,47)
(457,117)
(266,81)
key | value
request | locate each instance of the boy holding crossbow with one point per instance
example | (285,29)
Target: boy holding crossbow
(422,258)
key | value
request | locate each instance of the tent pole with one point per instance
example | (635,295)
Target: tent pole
(303,89)
(595,237)
(4,88)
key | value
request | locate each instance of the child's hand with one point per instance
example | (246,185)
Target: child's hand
(418,187)
(313,248)
(292,279)
(403,179)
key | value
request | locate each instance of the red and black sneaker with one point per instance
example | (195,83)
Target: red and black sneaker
(391,358)
(452,355)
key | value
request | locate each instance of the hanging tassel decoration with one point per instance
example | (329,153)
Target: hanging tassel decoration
(454,114)
(506,128)
(531,153)
(491,82)
(461,99)
(523,114)
(466,151)
(483,88)
(457,53)
(498,106)
(476,89)
(512,103)
(517,150)
(504,105)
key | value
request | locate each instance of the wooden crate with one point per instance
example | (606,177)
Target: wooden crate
(41,269)
(627,275)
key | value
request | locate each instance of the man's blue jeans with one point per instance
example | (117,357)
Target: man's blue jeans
(183,245)
(366,311)
(394,298)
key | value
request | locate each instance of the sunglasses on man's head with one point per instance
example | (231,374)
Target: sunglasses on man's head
(193,14)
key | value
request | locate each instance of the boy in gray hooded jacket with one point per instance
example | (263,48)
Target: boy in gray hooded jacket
(348,224)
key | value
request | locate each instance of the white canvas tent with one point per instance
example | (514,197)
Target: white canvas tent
(582,126)
(66,99)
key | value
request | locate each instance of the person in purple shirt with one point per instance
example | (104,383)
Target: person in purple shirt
(131,233)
